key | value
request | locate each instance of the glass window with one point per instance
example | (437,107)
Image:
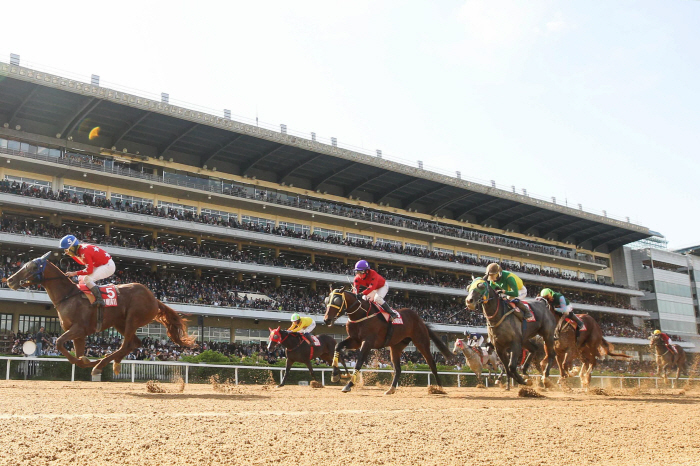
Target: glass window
(13,145)
(509,263)
(660,287)
(356,237)
(671,307)
(131,200)
(470,255)
(325,233)
(219,214)
(489,258)
(390,242)
(28,148)
(3,143)
(29,181)
(568,273)
(78,191)
(421,247)
(54,153)
(444,251)
(674,326)
(5,323)
(31,324)
(296,227)
(547,268)
(178,207)
(264,222)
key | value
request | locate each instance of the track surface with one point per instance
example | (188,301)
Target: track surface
(113,424)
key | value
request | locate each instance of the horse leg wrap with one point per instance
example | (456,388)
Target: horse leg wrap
(354,376)
(336,355)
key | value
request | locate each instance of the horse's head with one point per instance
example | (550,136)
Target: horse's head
(31,273)
(477,293)
(459,344)
(276,338)
(655,340)
(337,302)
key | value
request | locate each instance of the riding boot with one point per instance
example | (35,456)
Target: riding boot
(392,313)
(99,302)
(580,326)
(529,316)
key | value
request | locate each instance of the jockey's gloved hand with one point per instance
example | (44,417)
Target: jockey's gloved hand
(360,296)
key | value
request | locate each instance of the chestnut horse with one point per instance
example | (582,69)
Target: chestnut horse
(136,307)
(299,350)
(588,346)
(367,329)
(666,358)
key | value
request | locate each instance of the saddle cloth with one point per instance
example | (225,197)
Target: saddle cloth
(109,294)
(573,323)
(310,339)
(397,321)
(315,340)
(517,309)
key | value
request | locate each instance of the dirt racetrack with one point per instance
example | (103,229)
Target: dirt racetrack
(56,423)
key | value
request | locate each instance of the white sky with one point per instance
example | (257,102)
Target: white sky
(595,102)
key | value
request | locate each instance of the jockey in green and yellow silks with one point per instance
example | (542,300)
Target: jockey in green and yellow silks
(511,287)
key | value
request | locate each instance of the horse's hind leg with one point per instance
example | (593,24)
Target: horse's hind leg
(287,368)
(395,351)
(423,345)
(79,346)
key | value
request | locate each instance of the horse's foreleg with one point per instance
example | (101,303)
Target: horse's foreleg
(396,362)
(338,355)
(364,351)
(74,333)
(516,353)
(118,355)
(287,368)
(311,370)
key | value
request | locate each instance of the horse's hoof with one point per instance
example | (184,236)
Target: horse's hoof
(117,368)
(348,387)
(527,382)
(85,360)
(391,391)
(96,372)
(280,386)
(335,378)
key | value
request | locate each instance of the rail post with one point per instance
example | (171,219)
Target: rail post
(133,372)
(323,378)
(620,382)
(639,382)
(487,382)
(7,375)
(236,373)
(459,381)
(187,373)
(428,379)
(72,373)
(281,377)
(657,382)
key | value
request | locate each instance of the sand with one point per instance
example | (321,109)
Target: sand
(56,423)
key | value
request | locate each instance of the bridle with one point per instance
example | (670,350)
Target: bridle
(485,298)
(349,310)
(37,277)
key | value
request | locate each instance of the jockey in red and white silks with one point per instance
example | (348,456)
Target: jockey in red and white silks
(98,264)
(375,286)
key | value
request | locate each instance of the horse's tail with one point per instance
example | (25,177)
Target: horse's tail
(449,355)
(177,328)
(607,348)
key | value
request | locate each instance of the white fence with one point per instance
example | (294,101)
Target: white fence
(169,371)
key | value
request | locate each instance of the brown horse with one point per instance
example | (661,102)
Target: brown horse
(136,307)
(299,350)
(588,346)
(367,329)
(666,358)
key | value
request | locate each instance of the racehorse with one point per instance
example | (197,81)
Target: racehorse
(508,332)
(666,358)
(368,329)
(297,349)
(136,307)
(588,346)
(477,360)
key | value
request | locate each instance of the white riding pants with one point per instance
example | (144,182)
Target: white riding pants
(98,273)
(378,295)
(522,293)
(310,328)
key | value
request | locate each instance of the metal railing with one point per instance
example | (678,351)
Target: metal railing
(171,371)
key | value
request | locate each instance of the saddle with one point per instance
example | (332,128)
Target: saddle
(314,340)
(109,294)
(515,307)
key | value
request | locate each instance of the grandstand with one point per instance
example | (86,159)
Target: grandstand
(239,225)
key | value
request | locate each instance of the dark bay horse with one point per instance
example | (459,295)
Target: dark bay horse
(508,333)
(136,307)
(367,329)
(666,358)
(298,350)
(588,347)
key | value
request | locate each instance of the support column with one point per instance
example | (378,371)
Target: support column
(313,285)
(405,294)
(55,220)
(239,276)
(313,258)
(198,272)
(154,268)
(277,252)
(199,239)
(278,282)
(107,228)
(155,234)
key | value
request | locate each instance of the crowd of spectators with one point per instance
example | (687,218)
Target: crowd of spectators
(186,215)
(42,228)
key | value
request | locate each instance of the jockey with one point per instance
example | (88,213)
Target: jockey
(667,340)
(98,264)
(512,286)
(302,324)
(565,307)
(375,286)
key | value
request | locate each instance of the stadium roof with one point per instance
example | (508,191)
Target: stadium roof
(64,111)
